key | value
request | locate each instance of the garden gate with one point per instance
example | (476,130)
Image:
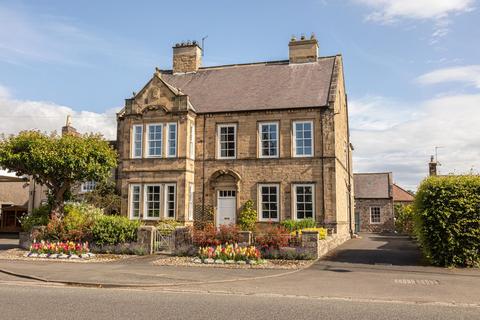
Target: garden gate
(164,241)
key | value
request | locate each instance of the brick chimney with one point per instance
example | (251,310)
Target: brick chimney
(303,50)
(187,57)
(432,167)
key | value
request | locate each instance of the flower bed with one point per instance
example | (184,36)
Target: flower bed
(229,254)
(61,250)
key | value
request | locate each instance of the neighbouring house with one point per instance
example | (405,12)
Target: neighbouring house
(195,143)
(374,210)
(402,196)
(13,202)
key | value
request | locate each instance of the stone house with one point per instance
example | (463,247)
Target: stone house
(375,198)
(195,143)
(402,196)
(13,202)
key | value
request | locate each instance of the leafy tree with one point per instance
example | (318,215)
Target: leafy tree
(58,162)
(104,196)
(248,216)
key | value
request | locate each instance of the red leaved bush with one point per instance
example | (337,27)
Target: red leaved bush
(211,236)
(272,236)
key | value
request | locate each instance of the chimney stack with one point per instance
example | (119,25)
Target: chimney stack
(303,50)
(68,128)
(187,57)
(432,166)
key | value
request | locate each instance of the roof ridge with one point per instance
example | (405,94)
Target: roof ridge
(246,64)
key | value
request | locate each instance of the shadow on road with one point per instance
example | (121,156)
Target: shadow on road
(378,249)
(8,241)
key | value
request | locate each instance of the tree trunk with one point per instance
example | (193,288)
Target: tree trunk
(58,198)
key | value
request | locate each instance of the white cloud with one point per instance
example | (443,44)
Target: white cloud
(405,147)
(466,74)
(17,115)
(438,11)
(390,10)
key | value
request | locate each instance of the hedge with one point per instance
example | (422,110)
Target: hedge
(448,220)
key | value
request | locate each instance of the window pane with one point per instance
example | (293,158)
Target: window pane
(268,140)
(269,202)
(303,138)
(155,140)
(137,141)
(153,201)
(135,202)
(170,201)
(172,139)
(304,201)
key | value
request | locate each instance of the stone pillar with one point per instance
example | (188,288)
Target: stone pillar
(245,238)
(146,237)
(182,237)
(310,242)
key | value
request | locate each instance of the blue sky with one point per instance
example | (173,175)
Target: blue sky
(412,67)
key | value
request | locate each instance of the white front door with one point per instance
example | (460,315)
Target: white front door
(226,207)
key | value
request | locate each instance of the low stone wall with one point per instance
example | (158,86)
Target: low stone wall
(319,247)
(26,238)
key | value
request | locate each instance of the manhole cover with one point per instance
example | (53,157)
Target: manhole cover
(423,282)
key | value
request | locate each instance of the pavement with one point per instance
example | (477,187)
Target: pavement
(374,268)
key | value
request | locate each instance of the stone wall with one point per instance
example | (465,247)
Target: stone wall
(362,206)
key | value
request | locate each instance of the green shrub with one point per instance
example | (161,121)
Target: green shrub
(289,224)
(79,219)
(166,227)
(295,225)
(447,220)
(248,217)
(113,230)
(38,217)
(404,218)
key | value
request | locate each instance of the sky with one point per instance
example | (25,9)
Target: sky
(412,67)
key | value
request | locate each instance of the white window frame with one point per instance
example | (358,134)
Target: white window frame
(130,201)
(260,202)
(379,215)
(145,200)
(147,140)
(294,135)
(165,200)
(133,141)
(260,147)
(192,141)
(295,200)
(168,142)
(219,151)
(83,186)
(191,200)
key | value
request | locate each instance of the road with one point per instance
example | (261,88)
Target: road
(376,277)
(20,301)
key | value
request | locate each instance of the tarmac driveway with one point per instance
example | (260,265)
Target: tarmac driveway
(377,249)
(8,241)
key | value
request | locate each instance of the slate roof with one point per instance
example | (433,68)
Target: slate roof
(401,195)
(256,86)
(372,185)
